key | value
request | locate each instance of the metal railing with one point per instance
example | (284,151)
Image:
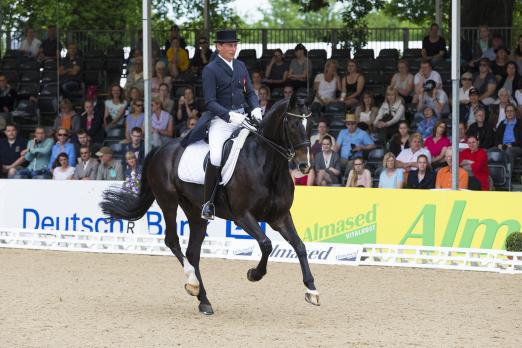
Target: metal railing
(262,39)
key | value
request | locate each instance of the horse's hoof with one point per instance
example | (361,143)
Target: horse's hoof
(206,309)
(253,276)
(192,290)
(312,298)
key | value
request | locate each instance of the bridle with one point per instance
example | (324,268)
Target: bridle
(287,151)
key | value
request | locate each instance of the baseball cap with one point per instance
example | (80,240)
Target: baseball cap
(473,90)
(429,85)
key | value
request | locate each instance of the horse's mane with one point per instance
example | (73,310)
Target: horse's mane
(274,111)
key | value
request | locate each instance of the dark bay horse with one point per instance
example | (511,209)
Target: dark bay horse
(260,189)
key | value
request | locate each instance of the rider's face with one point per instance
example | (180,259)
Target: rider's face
(227,50)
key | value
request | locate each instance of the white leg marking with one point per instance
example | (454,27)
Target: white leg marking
(190,272)
(312,292)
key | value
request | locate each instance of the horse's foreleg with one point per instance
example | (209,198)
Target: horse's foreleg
(286,227)
(251,226)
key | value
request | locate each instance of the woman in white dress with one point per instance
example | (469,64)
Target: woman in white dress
(61,168)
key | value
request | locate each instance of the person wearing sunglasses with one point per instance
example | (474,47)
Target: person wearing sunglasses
(485,82)
(62,146)
(465,81)
(135,118)
(87,167)
(202,56)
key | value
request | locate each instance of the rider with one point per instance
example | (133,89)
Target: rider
(228,91)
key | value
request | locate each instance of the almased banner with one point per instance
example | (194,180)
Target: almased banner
(462,219)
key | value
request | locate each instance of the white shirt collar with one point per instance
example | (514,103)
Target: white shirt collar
(230,64)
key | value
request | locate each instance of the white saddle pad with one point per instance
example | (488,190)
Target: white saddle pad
(191,164)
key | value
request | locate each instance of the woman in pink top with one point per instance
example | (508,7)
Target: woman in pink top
(437,143)
(359,176)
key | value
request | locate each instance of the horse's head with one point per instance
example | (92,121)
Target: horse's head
(297,125)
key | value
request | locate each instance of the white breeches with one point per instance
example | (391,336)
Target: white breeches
(218,132)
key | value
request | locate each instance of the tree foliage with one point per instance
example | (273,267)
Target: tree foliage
(221,15)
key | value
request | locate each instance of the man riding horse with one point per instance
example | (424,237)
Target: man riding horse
(228,91)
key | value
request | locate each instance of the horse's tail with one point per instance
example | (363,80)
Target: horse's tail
(124,204)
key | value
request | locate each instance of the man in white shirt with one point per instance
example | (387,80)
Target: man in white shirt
(30,45)
(425,73)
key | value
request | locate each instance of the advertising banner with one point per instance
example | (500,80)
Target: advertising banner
(329,215)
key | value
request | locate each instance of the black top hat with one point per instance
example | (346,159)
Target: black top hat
(223,36)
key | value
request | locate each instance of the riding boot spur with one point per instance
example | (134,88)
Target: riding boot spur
(211,181)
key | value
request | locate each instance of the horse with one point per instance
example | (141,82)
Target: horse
(260,189)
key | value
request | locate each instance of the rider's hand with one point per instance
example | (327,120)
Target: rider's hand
(257,113)
(236,117)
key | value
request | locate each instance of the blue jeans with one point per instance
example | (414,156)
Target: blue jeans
(26,173)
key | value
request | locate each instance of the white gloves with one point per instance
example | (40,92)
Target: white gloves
(257,114)
(236,117)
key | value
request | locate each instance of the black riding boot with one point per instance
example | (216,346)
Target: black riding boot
(211,181)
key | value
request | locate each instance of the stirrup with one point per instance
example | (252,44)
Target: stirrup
(208,211)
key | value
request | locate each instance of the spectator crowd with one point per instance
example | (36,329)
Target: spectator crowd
(379,122)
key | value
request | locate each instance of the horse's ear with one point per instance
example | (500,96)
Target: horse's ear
(293,101)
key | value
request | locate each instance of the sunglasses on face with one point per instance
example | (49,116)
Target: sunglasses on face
(62,134)
(466,79)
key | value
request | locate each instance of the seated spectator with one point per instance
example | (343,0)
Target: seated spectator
(61,168)
(178,60)
(435,98)
(434,45)
(317,139)
(87,167)
(161,124)
(391,176)
(359,176)
(444,175)
(300,68)
(498,66)
(167,104)
(37,155)
(132,174)
(422,178)
(401,139)
(498,109)
(366,112)
(84,140)
(496,42)
(155,50)
(136,145)
(67,118)
(474,160)
(62,145)
(8,97)
(109,168)
(467,112)
(425,126)
(160,77)
(481,130)
(402,81)
(135,75)
(509,135)
(437,143)
(465,87)
(132,94)
(201,56)
(407,159)
(50,47)
(517,54)
(463,138)
(352,85)
(484,81)
(114,107)
(264,99)
(352,141)
(425,73)
(30,45)
(91,120)
(187,107)
(301,179)
(481,45)
(288,91)
(277,70)
(256,82)
(174,33)
(326,86)
(327,164)
(191,123)
(512,81)
(135,119)
(390,113)
(71,71)
(12,151)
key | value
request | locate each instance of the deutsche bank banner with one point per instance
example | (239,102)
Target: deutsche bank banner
(71,207)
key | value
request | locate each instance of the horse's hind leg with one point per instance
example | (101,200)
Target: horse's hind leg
(194,285)
(251,226)
(286,227)
(169,207)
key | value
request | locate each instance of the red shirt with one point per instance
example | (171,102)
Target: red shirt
(435,148)
(479,167)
